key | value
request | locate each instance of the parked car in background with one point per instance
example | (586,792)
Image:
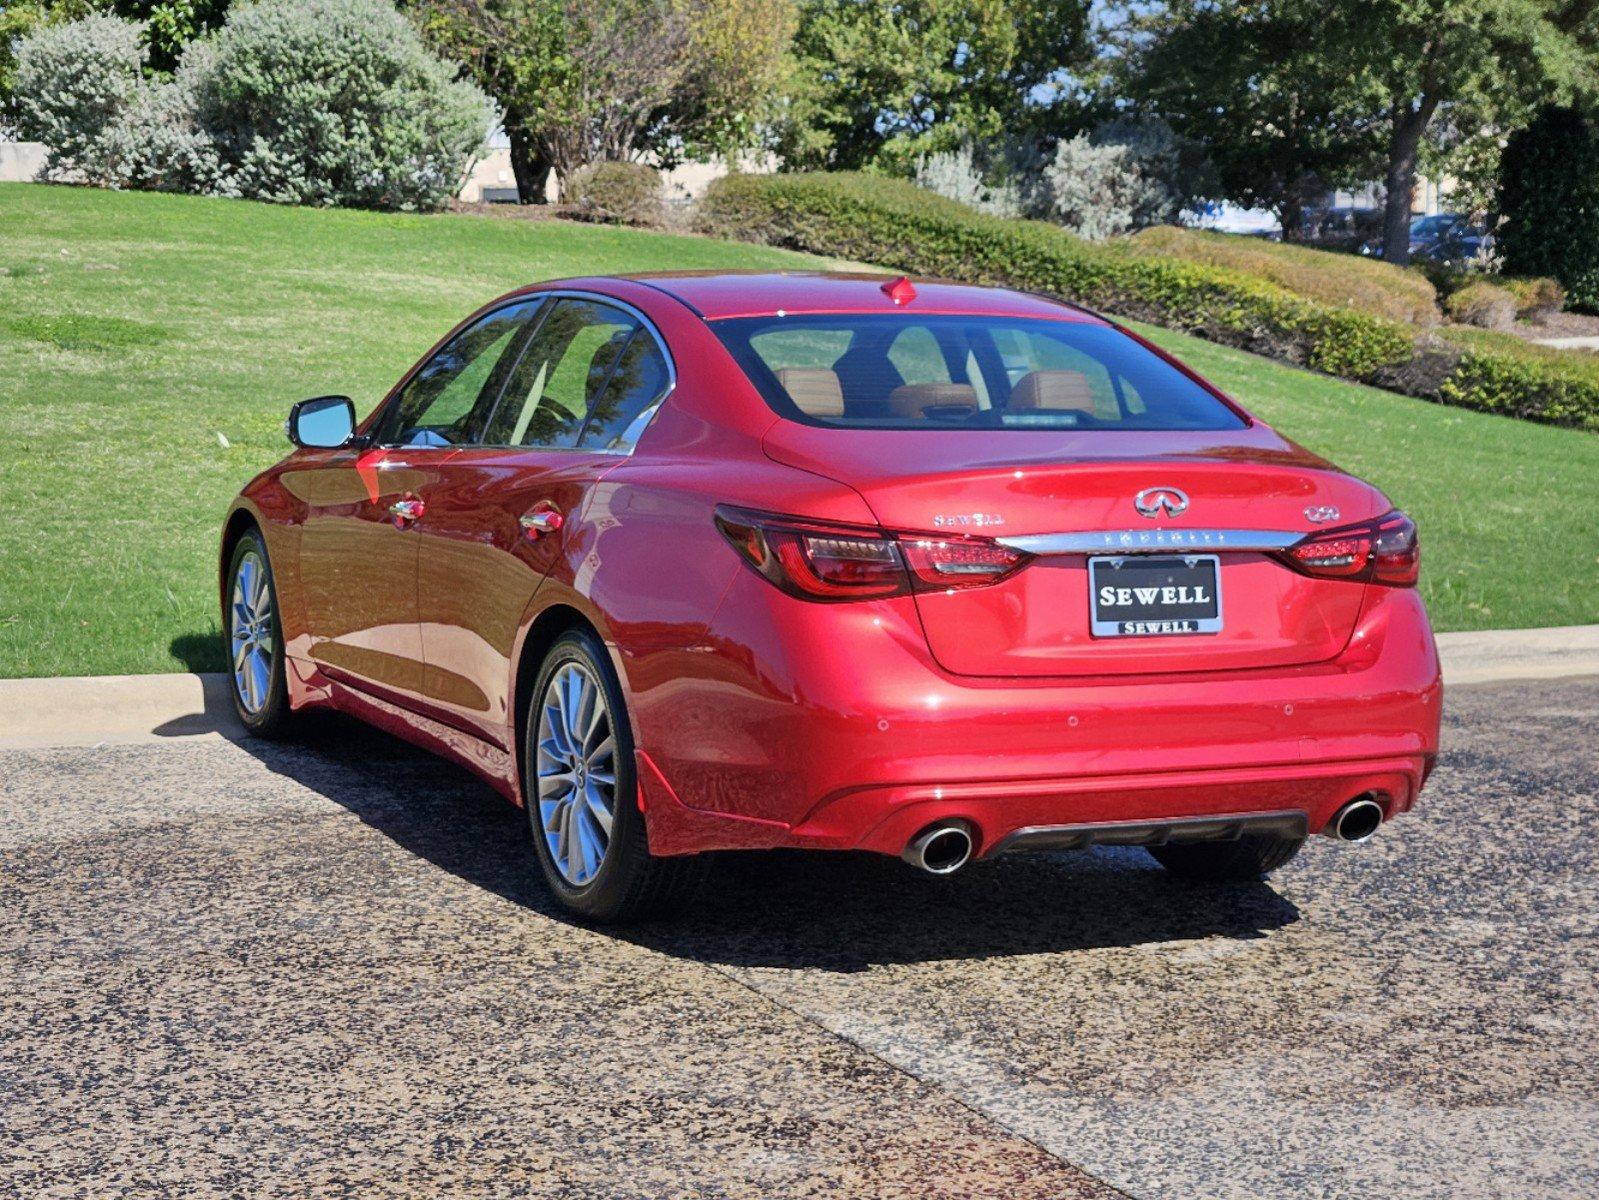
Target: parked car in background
(685,563)
(1441,238)
(1341,227)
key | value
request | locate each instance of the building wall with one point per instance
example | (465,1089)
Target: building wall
(20,162)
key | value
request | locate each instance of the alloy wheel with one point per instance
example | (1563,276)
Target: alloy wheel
(576,773)
(254,633)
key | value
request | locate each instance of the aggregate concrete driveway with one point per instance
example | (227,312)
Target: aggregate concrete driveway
(324,970)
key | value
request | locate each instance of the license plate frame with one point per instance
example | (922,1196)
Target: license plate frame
(1154,618)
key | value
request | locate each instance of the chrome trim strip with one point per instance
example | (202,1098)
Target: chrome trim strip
(1224,827)
(1152,541)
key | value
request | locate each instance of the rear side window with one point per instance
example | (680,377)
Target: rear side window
(562,372)
(636,386)
(591,376)
(904,371)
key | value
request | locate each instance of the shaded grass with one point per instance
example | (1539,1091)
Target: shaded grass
(150,347)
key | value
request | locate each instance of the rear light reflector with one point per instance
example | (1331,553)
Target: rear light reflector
(958,563)
(1385,551)
(818,561)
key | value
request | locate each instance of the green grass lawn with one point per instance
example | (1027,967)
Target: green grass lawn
(150,347)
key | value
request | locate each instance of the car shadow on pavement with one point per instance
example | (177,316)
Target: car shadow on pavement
(793,909)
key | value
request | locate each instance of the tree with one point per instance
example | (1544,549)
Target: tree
(585,82)
(1549,202)
(1492,58)
(1260,85)
(894,80)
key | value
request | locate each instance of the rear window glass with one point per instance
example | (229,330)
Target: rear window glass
(903,371)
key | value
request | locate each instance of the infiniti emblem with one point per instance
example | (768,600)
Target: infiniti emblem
(1151,501)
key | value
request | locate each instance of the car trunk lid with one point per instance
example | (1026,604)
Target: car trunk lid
(1068,498)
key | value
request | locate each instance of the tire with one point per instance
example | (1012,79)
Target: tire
(573,757)
(253,641)
(1247,859)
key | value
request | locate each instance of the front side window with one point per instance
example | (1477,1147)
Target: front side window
(905,371)
(447,401)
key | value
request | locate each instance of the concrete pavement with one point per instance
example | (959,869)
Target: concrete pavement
(322,968)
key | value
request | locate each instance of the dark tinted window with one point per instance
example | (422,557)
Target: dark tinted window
(449,398)
(563,371)
(625,407)
(956,372)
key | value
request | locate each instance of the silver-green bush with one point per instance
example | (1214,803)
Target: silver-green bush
(296,101)
(74,83)
(337,102)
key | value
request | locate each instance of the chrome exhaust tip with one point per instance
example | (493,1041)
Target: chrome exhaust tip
(940,849)
(1357,820)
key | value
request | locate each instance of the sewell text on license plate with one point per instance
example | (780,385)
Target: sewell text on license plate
(1154,595)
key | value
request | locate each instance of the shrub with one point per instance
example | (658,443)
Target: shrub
(1097,192)
(74,82)
(619,193)
(1482,304)
(337,102)
(87,98)
(302,101)
(1370,285)
(898,225)
(1536,296)
(1548,197)
(1501,373)
(958,176)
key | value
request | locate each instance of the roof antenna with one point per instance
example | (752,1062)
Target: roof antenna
(900,291)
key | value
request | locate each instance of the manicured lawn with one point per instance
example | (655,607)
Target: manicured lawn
(150,347)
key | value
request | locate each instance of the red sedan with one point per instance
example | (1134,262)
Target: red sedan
(685,563)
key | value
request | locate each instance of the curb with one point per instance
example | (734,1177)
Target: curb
(94,710)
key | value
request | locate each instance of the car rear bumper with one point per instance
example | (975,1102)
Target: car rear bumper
(865,747)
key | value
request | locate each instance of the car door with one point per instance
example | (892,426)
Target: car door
(503,513)
(358,547)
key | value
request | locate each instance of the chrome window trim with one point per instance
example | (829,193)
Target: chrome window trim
(1153,541)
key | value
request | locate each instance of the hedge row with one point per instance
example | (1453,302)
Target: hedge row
(1326,276)
(895,224)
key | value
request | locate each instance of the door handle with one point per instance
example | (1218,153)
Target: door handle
(545,520)
(406,511)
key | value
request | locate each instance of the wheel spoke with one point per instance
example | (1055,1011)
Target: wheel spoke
(599,808)
(602,753)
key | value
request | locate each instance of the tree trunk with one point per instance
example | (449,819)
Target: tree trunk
(1403,146)
(529,165)
(1291,213)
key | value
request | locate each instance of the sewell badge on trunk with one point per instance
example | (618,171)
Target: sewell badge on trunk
(1155,595)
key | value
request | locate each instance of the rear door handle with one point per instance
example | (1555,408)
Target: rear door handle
(407,510)
(545,520)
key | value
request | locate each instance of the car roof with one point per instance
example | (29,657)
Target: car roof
(717,295)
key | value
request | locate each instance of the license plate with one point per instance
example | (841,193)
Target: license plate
(1155,595)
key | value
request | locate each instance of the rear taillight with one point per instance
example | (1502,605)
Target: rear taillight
(1382,551)
(818,561)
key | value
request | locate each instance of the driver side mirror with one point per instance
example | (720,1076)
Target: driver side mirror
(325,423)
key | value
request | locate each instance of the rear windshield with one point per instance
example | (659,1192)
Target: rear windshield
(903,371)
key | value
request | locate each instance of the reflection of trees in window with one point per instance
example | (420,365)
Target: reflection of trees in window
(445,391)
(637,383)
(567,362)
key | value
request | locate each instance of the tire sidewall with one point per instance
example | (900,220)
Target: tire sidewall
(627,851)
(274,712)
